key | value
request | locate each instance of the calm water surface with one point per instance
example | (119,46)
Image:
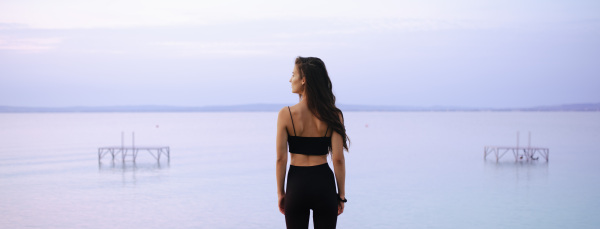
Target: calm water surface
(404,170)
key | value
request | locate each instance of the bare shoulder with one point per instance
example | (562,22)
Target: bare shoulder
(293,109)
(283,112)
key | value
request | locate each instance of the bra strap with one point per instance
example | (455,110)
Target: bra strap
(292,120)
(326,132)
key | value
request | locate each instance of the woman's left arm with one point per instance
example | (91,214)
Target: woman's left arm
(339,165)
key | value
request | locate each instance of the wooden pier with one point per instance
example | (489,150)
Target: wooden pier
(124,151)
(528,152)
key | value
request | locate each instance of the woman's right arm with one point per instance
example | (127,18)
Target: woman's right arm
(281,162)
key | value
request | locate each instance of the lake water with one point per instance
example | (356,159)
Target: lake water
(404,170)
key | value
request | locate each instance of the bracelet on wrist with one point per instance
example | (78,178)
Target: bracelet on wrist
(342,200)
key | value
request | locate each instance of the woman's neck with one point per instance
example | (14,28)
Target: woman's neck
(303,99)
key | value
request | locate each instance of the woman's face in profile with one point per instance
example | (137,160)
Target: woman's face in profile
(297,86)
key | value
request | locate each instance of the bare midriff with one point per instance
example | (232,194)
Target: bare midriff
(307,160)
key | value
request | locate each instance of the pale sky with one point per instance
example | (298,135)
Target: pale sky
(197,53)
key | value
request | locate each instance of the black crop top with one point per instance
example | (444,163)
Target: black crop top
(308,145)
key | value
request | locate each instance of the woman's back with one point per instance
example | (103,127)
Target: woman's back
(305,124)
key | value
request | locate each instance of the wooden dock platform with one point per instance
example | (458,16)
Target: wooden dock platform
(156,152)
(529,152)
(124,151)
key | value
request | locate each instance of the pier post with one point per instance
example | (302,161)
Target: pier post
(529,140)
(485,149)
(496,154)
(517,139)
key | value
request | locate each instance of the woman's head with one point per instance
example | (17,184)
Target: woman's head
(311,82)
(312,79)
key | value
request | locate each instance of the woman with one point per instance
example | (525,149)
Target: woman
(312,128)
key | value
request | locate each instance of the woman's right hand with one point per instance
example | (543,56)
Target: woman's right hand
(281,203)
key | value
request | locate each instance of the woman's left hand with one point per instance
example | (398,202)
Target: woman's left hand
(340,207)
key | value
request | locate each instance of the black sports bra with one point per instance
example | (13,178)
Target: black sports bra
(308,145)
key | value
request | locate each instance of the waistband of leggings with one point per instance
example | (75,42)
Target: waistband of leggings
(309,167)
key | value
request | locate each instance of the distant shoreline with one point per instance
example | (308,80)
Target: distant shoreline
(583,107)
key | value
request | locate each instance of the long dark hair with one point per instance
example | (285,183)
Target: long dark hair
(318,89)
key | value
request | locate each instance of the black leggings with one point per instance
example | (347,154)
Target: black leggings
(311,187)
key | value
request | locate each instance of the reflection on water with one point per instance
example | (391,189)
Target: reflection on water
(130,171)
(520,170)
(131,166)
(522,163)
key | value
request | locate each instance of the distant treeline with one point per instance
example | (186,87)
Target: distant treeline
(277,107)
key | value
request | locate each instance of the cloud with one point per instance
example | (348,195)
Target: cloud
(215,48)
(241,48)
(137,13)
(9,26)
(29,44)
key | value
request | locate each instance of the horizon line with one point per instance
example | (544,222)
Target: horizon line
(258,107)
